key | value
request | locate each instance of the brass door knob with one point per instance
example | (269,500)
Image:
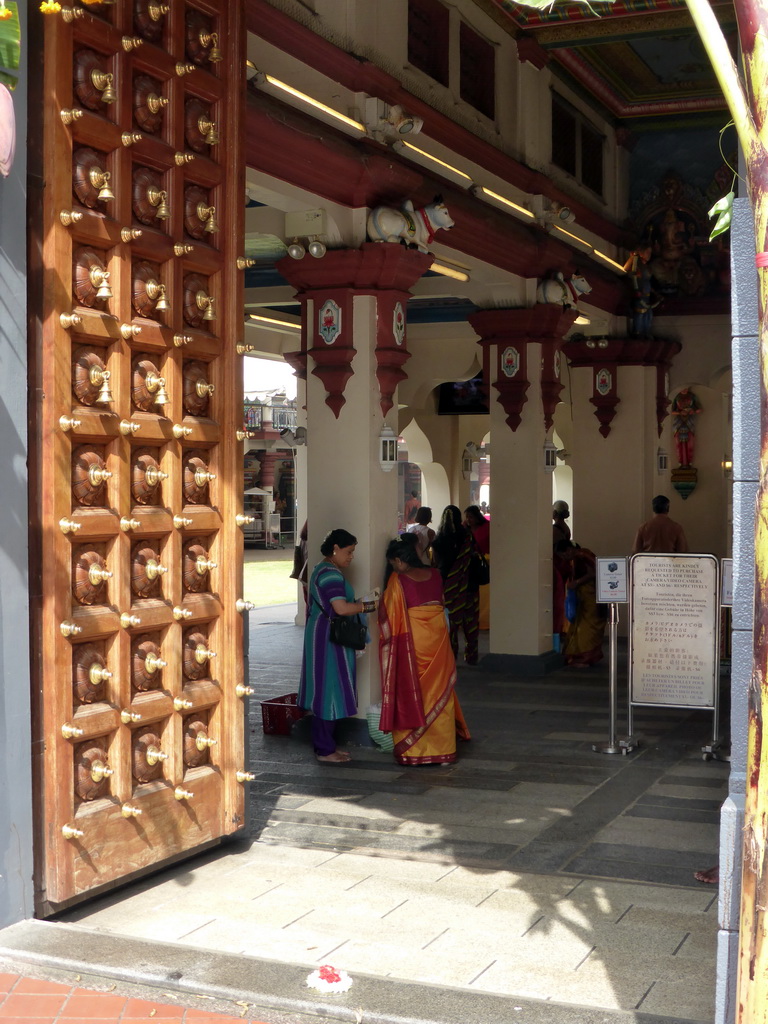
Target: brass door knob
(127,524)
(97,674)
(179,340)
(68,628)
(154,569)
(203,476)
(129,427)
(202,654)
(185,69)
(243,350)
(97,574)
(130,811)
(153,663)
(127,620)
(154,755)
(242,776)
(130,235)
(244,606)
(69,217)
(70,832)
(243,520)
(153,475)
(180,431)
(100,771)
(71,115)
(203,742)
(69,423)
(181,613)
(241,690)
(181,521)
(127,717)
(132,43)
(129,331)
(69,525)
(97,475)
(182,794)
(71,732)
(182,704)
(156,103)
(68,320)
(204,565)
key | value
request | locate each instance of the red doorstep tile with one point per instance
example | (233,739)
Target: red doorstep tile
(139,1009)
(30,1005)
(31,1020)
(93,1004)
(41,988)
(193,1017)
(7,981)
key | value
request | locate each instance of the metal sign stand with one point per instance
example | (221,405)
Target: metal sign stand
(612,747)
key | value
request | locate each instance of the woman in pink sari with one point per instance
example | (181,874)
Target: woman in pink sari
(418,669)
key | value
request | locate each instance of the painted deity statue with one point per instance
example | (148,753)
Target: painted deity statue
(643,300)
(685,409)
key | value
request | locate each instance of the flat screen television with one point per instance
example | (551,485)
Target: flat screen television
(462,398)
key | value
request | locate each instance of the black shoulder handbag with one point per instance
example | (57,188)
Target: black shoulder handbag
(479,571)
(346,630)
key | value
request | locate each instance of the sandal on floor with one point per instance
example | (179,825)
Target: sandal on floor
(335,758)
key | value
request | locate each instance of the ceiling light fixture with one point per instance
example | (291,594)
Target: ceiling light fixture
(608,260)
(480,191)
(428,156)
(273,322)
(457,275)
(262,78)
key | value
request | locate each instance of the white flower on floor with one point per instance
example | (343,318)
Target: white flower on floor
(329,979)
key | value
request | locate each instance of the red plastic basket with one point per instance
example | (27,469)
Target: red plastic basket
(280,713)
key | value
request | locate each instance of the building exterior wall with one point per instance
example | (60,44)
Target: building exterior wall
(16,791)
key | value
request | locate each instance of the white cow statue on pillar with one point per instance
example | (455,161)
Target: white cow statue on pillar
(413,228)
(561,291)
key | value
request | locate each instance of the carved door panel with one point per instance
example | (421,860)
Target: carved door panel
(141,741)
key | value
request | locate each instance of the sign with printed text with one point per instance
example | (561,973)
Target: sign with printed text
(673,639)
(726,582)
(612,581)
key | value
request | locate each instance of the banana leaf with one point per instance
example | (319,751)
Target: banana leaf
(10,44)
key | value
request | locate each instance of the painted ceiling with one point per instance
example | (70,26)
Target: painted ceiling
(638,59)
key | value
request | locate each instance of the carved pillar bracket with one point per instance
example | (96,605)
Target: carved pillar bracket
(605,355)
(298,363)
(327,288)
(504,336)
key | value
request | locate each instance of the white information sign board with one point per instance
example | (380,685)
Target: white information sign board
(612,581)
(674,632)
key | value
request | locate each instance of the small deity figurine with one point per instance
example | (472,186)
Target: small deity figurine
(685,408)
(643,297)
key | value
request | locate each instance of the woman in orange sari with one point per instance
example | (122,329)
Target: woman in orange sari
(418,668)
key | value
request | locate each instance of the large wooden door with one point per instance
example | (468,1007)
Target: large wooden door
(139,628)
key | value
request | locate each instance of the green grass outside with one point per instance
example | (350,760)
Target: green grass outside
(267,583)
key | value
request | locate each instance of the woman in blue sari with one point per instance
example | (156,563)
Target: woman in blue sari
(328,686)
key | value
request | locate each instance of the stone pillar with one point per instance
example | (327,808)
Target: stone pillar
(353,337)
(746,475)
(267,462)
(517,343)
(618,396)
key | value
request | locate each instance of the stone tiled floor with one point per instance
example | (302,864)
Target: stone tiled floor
(534,867)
